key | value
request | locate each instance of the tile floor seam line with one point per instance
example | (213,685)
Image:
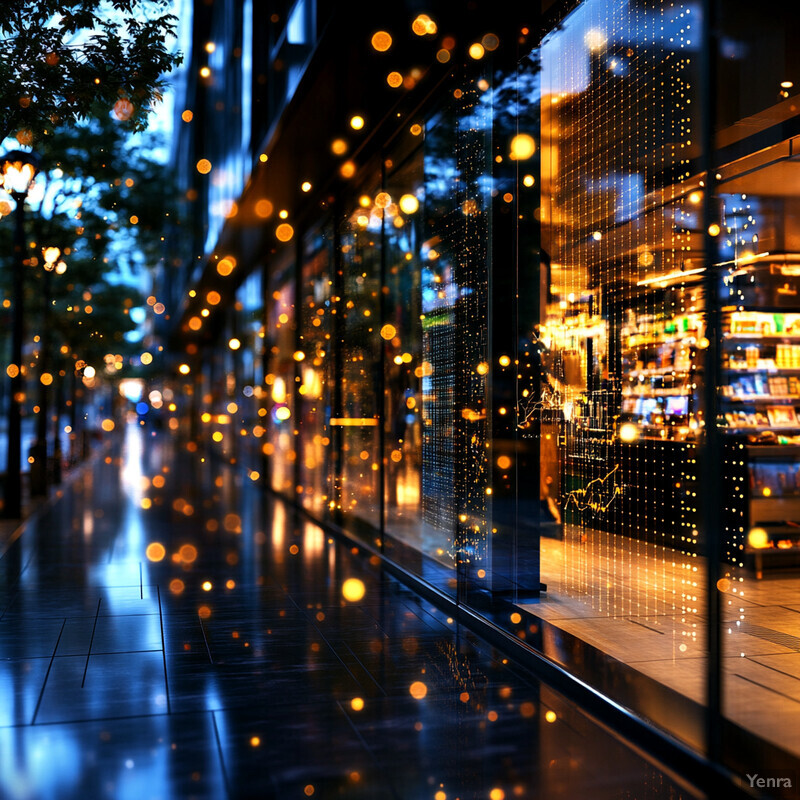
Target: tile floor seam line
(764,686)
(753,660)
(221,754)
(366,746)
(364,667)
(10,602)
(324,638)
(118,652)
(89,654)
(47,674)
(163,649)
(423,620)
(92,720)
(647,627)
(205,639)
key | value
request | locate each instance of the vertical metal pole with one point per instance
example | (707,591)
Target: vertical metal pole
(338,333)
(59,402)
(299,345)
(380,374)
(73,416)
(195,405)
(711,456)
(39,467)
(13,488)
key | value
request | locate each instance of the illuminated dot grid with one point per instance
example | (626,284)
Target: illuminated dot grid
(465,234)
(439,348)
(438,456)
(620,116)
(738,242)
(316,373)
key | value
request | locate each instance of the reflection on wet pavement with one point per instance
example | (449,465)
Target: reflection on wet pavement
(168,630)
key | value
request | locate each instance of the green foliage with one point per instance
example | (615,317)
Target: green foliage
(91,336)
(95,182)
(62,59)
(115,183)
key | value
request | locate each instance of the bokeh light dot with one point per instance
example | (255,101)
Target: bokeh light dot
(353,590)
(155,551)
(418,690)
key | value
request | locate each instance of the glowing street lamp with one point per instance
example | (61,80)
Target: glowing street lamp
(18,170)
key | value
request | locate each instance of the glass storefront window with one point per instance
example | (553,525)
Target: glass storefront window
(359,416)
(404,367)
(245,403)
(620,336)
(316,373)
(756,208)
(280,338)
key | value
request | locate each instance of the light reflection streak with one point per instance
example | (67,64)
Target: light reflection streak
(313,542)
(131,473)
(26,766)
(278,532)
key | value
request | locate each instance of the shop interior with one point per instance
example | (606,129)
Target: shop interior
(625,358)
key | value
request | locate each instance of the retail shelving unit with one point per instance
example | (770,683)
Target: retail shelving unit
(760,404)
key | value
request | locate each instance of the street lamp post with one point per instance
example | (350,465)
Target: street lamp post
(60,269)
(39,476)
(18,170)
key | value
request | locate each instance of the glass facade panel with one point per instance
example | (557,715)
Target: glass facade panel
(616,406)
(438,341)
(756,257)
(280,380)
(247,423)
(316,372)
(456,506)
(404,367)
(359,417)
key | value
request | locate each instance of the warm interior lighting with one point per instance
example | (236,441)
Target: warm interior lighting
(628,432)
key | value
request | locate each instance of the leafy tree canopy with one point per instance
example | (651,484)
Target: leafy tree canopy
(103,202)
(60,59)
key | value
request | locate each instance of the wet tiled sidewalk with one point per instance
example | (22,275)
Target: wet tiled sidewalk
(170,631)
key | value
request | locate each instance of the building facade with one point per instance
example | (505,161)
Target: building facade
(471,287)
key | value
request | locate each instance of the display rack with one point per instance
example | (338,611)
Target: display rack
(660,368)
(760,405)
